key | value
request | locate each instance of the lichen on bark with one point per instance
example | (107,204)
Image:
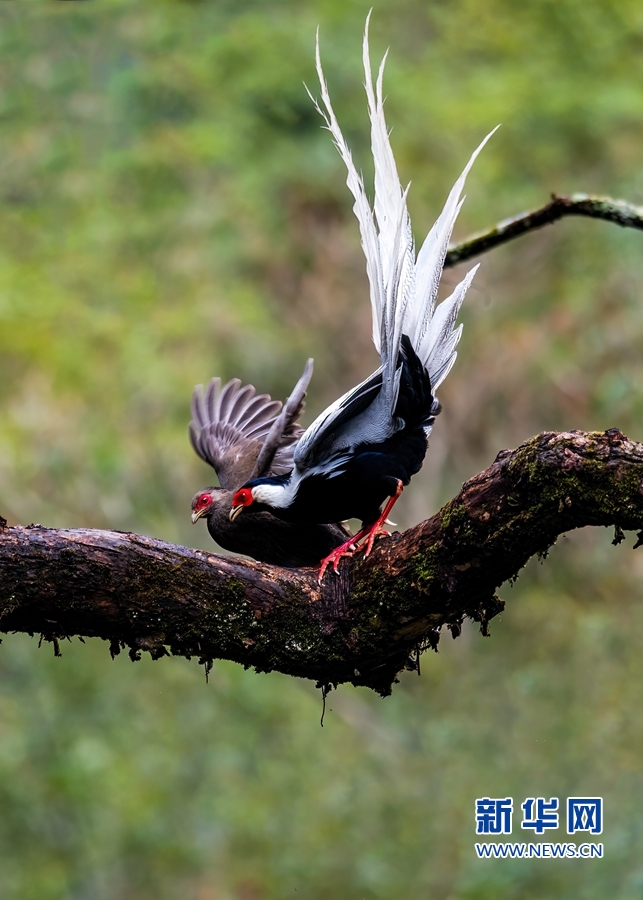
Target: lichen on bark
(362,627)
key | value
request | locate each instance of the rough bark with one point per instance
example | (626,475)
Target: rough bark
(363,627)
(618,211)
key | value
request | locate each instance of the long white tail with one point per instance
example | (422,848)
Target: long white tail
(403,287)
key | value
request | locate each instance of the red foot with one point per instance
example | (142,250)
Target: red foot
(376,528)
(348,548)
(371,532)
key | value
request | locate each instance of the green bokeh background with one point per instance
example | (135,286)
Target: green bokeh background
(170,210)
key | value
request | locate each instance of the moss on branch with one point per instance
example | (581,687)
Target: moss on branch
(363,627)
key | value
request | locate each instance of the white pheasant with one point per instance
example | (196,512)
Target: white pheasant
(363,449)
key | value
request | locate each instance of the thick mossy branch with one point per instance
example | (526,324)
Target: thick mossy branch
(362,627)
(618,211)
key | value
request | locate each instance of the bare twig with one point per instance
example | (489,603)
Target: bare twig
(625,214)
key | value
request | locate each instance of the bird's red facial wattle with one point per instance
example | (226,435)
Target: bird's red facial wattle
(201,503)
(241,499)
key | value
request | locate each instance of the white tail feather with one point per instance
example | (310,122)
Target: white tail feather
(403,289)
(361,208)
(437,344)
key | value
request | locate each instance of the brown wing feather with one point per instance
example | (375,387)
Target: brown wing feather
(276,456)
(229,425)
(241,433)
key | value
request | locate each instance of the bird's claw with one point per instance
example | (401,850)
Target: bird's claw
(347,549)
(373,536)
(368,534)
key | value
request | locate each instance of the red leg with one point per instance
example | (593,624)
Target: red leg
(345,549)
(348,548)
(376,527)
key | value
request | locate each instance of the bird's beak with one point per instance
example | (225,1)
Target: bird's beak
(196,515)
(234,512)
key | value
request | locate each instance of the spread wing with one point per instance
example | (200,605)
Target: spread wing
(403,285)
(403,289)
(354,418)
(284,424)
(241,433)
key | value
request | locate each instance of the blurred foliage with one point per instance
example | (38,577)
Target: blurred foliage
(170,210)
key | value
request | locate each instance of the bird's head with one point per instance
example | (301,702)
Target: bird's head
(242,498)
(262,495)
(201,503)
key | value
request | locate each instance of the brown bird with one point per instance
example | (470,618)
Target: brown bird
(244,435)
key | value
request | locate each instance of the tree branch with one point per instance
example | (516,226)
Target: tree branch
(363,627)
(618,211)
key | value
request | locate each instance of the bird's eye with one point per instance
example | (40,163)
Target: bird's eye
(203,500)
(243,497)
